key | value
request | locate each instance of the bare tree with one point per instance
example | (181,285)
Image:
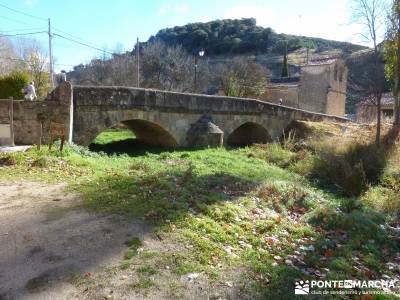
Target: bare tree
(36,62)
(242,78)
(8,58)
(167,68)
(369,13)
(123,70)
(162,67)
(118,69)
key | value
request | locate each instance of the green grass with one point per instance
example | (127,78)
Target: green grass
(113,135)
(229,208)
(147,270)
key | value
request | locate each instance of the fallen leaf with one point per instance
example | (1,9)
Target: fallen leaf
(329,253)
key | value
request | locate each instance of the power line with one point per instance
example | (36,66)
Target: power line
(17,21)
(22,13)
(19,34)
(24,29)
(76,37)
(84,41)
(86,45)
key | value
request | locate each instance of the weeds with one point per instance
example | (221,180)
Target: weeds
(252,209)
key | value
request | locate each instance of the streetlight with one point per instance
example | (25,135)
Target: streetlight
(201,54)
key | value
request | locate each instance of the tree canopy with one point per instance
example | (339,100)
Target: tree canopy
(238,37)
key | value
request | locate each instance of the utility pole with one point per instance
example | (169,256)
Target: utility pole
(51,56)
(137,63)
(195,73)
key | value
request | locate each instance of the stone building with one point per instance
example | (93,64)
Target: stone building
(321,87)
(366,110)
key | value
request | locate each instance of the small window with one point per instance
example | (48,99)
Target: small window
(387,113)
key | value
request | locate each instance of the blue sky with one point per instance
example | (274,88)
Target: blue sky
(116,24)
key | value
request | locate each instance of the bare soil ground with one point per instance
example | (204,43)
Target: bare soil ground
(52,249)
(45,241)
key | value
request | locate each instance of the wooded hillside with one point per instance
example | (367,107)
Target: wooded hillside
(241,37)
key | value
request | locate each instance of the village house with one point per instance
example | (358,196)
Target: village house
(321,87)
(366,110)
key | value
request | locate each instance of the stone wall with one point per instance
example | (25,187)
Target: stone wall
(322,89)
(29,116)
(336,98)
(335,103)
(172,114)
(289,93)
(367,113)
(157,117)
(314,84)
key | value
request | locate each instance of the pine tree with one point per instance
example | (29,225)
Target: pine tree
(285,68)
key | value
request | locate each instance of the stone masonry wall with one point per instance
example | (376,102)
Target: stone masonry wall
(314,84)
(336,98)
(28,116)
(158,116)
(321,89)
(97,108)
(289,93)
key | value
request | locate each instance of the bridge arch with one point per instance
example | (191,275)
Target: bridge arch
(147,132)
(151,127)
(150,133)
(248,133)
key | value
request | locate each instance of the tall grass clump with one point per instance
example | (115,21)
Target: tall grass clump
(350,167)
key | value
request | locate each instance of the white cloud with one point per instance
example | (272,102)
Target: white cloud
(29,3)
(181,8)
(162,10)
(177,9)
(262,14)
(329,23)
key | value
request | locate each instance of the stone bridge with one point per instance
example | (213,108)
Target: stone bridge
(159,118)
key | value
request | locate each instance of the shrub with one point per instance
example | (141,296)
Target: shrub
(7,161)
(391,180)
(350,168)
(11,85)
(382,199)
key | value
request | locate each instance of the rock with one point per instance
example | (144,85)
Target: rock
(192,276)
(245,245)
(229,284)
(288,262)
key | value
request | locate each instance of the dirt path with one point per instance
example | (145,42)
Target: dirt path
(52,249)
(44,241)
